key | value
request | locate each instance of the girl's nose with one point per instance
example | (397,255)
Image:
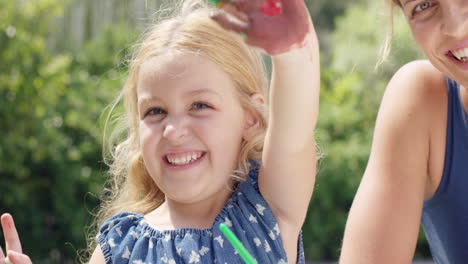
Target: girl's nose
(175,132)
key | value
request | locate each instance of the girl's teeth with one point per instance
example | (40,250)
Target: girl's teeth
(183,160)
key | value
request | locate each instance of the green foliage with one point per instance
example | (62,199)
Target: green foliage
(344,134)
(359,39)
(50,154)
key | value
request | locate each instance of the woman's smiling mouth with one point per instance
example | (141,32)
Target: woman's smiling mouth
(460,54)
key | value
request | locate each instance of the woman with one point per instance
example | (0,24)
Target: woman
(418,168)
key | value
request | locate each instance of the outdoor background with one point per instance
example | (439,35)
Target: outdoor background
(61,64)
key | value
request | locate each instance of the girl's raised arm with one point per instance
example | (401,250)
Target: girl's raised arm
(288,170)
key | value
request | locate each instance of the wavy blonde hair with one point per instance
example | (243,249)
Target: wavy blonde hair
(387,47)
(188,30)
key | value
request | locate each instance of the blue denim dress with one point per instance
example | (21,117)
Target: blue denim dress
(127,237)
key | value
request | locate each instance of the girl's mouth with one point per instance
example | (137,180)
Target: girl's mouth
(182,159)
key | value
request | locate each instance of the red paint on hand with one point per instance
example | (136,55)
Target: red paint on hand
(275,26)
(280,32)
(271,7)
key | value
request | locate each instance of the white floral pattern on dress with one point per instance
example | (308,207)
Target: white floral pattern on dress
(227,222)
(267,247)
(111,225)
(203,250)
(119,231)
(260,209)
(276,228)
(253,219)
(194,257)
(272,235)
(257,242)
(126,254)
(220,240)
(134,235)
(111,243)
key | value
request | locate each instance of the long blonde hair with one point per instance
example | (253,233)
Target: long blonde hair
(187,30)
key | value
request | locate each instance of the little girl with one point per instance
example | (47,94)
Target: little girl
(198,151)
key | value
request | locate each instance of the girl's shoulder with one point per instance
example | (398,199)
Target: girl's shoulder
(120,220)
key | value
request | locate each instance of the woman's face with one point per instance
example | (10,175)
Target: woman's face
(440,27)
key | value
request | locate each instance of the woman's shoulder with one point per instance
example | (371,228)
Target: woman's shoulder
(417,88)
(418,76)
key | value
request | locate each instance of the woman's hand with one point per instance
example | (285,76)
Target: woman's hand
(12,242)
(276,26)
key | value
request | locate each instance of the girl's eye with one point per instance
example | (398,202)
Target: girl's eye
(200,106)
(156,111)
(421,7)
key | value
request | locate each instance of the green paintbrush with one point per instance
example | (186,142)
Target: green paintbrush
(235,242)
(216,2)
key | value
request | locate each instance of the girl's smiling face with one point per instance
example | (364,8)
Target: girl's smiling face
(191,126)
(440,27)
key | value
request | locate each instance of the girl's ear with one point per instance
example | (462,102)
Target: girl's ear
(252,121)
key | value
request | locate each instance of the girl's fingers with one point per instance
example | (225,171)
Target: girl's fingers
(12,240)
(2,256)
(18,258)
(228,23)
(232,10)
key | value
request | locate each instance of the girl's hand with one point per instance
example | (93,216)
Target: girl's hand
(275,26)
(12,242)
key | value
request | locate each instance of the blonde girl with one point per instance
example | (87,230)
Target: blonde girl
(199,147)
